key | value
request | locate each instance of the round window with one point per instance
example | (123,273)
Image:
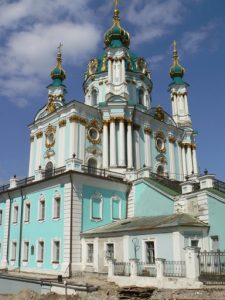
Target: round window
(93,133)
(50,139)
(160,144)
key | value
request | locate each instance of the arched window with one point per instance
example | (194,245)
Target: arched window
(141,96)
(94,96)
(160,170)
(92,166)
(49,169)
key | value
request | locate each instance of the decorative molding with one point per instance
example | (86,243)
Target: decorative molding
(172,139)
(39,134)
(147,130)
(100,82)
(62,123)
(31,138)
(74,119)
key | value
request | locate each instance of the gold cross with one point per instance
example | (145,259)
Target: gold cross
(59,47)
(116,3)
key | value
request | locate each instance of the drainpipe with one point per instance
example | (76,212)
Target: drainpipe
(21,228)
(10,205)
(71,226)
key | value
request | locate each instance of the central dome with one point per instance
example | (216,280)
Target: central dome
(116,36)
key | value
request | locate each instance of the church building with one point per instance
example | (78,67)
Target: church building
(113,175)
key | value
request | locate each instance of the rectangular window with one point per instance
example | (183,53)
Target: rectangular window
(42,210)
(96,209)
(13,251)
(150,252)
(194,243)
(27,212)
(110,251)
(215,243)
(115,209)
(25,251)
(40,257)
(90,252)
(0,216)
(56,251)
(57,208)
(15,213)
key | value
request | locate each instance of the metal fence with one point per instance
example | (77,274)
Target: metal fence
(101,172)
(148,270)
(219,185)
(212,267)
(174,269)
(122,269)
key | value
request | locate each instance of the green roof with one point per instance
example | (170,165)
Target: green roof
(216,192)
(162,187)
(147,223)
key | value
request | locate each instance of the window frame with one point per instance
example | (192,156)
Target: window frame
(96,196)
(56,252)
(116,199)
(27,211)
(1,216)
(40,255)
(26,246)
(87,253)
(41,215)
(15,215)
(13,250)
(56,215)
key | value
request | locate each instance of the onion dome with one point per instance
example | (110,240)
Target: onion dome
(116,36)
(58,74)
(176,71)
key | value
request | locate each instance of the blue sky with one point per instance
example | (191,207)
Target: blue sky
(31,30)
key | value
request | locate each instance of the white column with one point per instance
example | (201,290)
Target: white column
(121,144)
(31,156)
(148,154)
(172,157)
(112,143)
(61,144)
(192,262)
(72,144)
(123,71)
(184,161)
(137,148)
(181,171)
(39,137)
(189,160)
(129,146)
(105,153)
(186,104)
(6,235)
(110,70)
(82,141)
(160,267)
(195,165)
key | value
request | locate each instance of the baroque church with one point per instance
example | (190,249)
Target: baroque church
(113,176)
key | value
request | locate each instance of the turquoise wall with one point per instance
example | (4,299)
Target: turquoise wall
(2,207)
(163,245)
(46,230)
(216,220)
(150,202)
(107,194)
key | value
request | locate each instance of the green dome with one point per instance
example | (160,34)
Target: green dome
(116,36)
(176,71)
(58,73)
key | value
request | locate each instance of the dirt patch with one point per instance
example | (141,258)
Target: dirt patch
(31,295)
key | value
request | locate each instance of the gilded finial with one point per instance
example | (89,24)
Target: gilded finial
(116,16)
(116,4)
(59,55)
(175,54)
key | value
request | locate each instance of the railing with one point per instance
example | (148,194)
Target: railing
(53,172)
(122,269)
(148,270)
(101,172)
(219,185)
(174,269)
(4,188)
(25,181)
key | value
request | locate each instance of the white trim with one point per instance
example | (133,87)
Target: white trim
(27,212)
(15,208)
(118,199)
(13,251)
(41,200)
(56,197)
(144,248)
(38,260)
(96,195)
(53,258)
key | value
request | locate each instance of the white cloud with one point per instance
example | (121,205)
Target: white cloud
(31,32)
(193,41)
(155,60)
(153,18)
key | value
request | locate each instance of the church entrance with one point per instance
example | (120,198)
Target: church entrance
(92,166)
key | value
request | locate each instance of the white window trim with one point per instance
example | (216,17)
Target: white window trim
(41,200)
(105,247)
(86,262)
(57,195)
(96,196)
(53,261)
(11,257)
(26,203)
(116,198)
(1,216)
(144,258)
(37,251)
(23,259)
(13,216)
